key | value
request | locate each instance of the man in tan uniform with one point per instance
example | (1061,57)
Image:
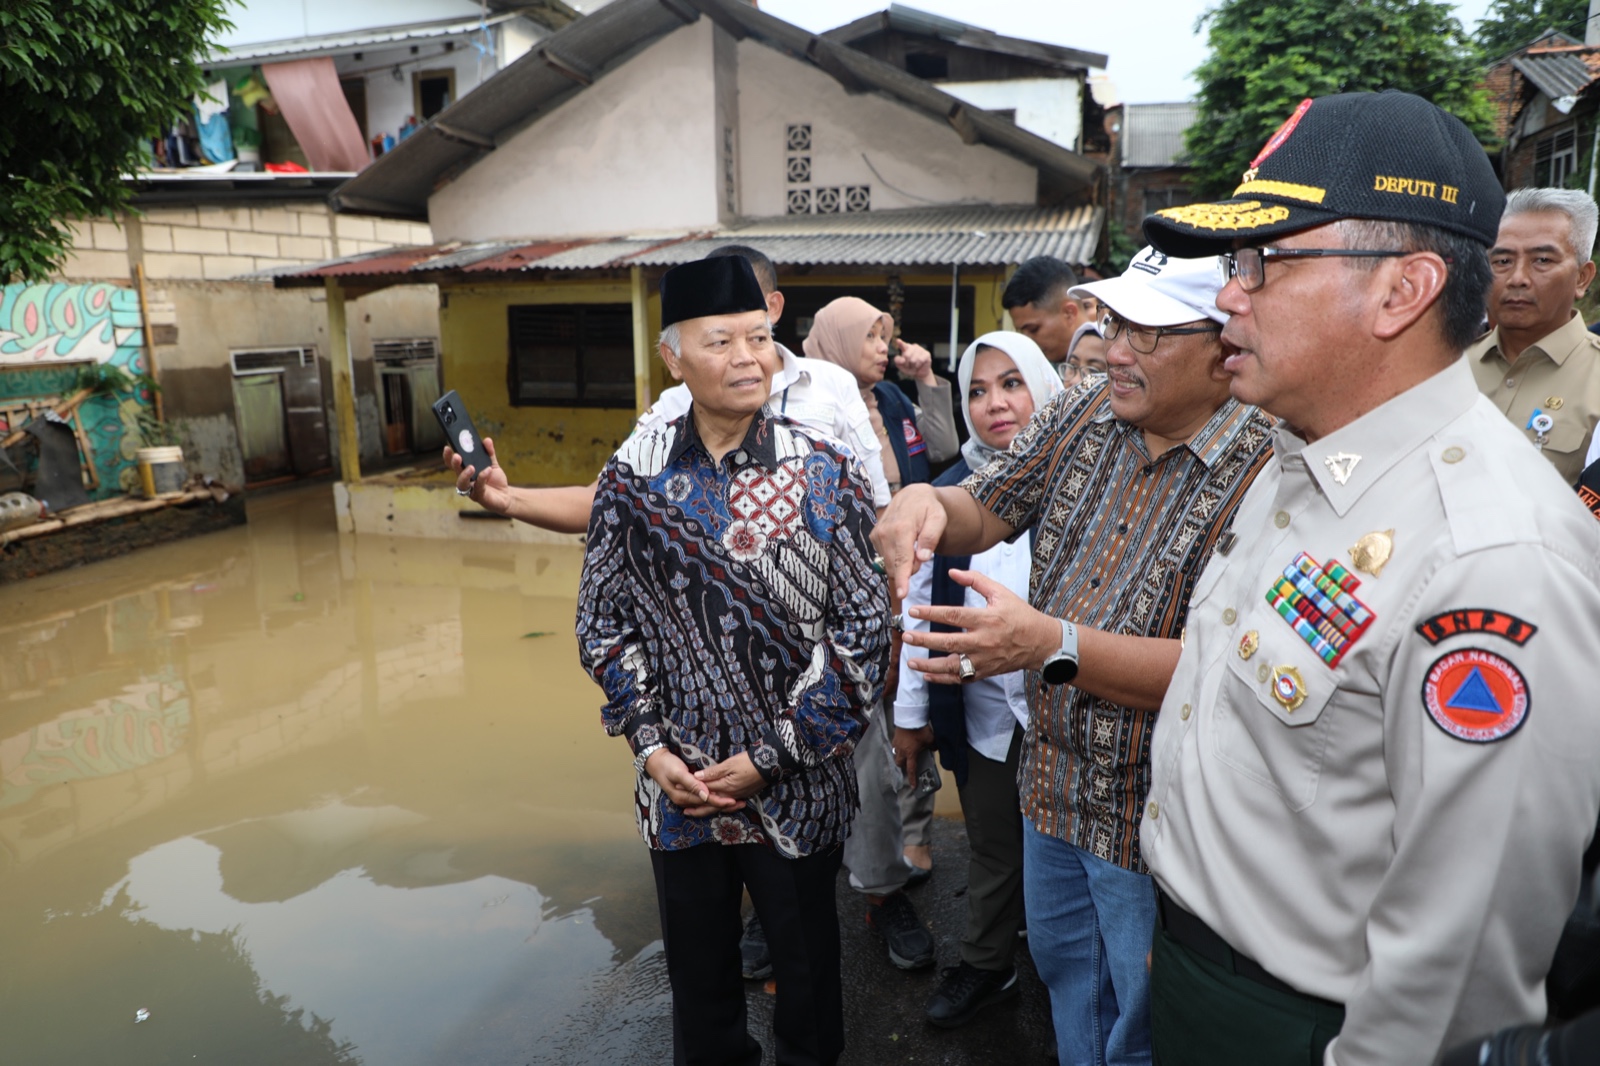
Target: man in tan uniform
(1540,365)
(1378,761)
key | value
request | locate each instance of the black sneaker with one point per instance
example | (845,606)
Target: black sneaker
(918,874)
(910,943)
(966,990)
(755,958)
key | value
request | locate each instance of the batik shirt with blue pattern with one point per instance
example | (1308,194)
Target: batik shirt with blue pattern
(732,607)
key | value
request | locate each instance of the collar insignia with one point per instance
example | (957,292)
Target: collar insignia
(1342,465)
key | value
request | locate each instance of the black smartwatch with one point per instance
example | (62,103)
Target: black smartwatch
(1062,666)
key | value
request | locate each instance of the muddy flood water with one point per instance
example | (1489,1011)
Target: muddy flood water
(312,799)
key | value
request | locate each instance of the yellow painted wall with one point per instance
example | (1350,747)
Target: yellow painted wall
(535,445)
(568,446)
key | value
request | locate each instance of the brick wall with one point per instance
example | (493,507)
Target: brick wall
(215,242)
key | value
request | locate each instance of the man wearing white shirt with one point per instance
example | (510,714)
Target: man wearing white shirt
(817,395)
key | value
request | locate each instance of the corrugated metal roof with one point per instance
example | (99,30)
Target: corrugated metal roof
(963,235)
(335,43)
(399,182)
(1559,72)
(1152,134)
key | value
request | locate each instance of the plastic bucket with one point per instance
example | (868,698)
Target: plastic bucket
(161,471)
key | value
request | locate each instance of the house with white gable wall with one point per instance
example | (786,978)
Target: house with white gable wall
(645,134)
(1043,87)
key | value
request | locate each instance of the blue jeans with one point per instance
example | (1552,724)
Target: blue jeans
(1090,927)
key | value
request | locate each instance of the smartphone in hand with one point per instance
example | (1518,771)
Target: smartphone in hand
(460,433)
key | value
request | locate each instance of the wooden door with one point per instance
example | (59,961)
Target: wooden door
(307,419)
(426,436)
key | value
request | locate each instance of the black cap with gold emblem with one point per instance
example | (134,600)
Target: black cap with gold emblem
(1389,156)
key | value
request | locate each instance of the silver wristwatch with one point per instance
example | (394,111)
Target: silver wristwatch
(1062,666)
(644,755)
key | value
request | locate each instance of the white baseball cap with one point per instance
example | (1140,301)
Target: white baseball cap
(1161,290)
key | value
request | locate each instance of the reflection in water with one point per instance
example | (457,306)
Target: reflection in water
(147,721)
(312,799)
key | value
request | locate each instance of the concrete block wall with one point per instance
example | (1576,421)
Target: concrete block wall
(211,242)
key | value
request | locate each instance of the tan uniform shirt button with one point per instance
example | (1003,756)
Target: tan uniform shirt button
(1263,672)
(1281,519)
(1228,616)
(1153,810)
(1511,383)
(1453,454)
(1183,712)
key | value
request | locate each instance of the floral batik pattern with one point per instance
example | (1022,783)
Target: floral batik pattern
(732,607)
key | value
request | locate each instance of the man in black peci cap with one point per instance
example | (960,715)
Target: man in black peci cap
(1378,760)
(729,609)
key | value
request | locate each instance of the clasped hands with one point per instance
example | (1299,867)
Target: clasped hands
(723,787)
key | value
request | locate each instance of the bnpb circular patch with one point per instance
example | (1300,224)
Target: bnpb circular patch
(1475,695)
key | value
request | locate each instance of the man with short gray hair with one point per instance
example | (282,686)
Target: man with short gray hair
(1539,364)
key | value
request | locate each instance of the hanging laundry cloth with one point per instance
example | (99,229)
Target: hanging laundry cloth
(211,122)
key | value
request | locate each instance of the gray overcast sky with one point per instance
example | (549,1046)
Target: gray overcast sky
(1152,43)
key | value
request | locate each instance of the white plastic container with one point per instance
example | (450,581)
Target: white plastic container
(161,472)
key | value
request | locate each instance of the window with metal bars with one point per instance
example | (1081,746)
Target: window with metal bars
(405,351)
(1555,159)
(271,360)
(571,355)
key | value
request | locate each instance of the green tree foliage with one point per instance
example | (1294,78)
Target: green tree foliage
(84,82)
(1268,55)
(1510,24)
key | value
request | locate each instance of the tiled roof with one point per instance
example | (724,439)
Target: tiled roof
(926,24)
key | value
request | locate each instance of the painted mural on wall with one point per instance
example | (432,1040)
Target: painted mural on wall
(58,322)
(48,332)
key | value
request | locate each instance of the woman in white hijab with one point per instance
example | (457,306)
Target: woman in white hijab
(977,728)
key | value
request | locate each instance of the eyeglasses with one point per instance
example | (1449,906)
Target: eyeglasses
(1143,339)
(1249,265)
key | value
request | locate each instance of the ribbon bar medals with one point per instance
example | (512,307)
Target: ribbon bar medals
(1317,603)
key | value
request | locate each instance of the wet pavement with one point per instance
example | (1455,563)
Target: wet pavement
(316,799)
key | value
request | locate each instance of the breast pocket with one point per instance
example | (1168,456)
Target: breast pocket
(1567,436)
(1271,722)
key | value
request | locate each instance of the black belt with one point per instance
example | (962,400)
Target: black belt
(1204,941)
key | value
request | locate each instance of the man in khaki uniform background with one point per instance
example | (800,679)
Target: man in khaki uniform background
(1378,761)
(1540,365)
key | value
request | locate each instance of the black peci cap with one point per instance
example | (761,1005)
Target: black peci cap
(1389,156)
(725,285)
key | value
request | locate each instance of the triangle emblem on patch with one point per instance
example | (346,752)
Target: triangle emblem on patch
(1342,465)
(1475,695)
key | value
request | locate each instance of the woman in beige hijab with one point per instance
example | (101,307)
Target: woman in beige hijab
(851,333)
(890,844)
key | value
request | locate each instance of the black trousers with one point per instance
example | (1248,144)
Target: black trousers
(698,891)
(993,813)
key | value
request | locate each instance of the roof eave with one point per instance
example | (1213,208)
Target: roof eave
(845,65)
